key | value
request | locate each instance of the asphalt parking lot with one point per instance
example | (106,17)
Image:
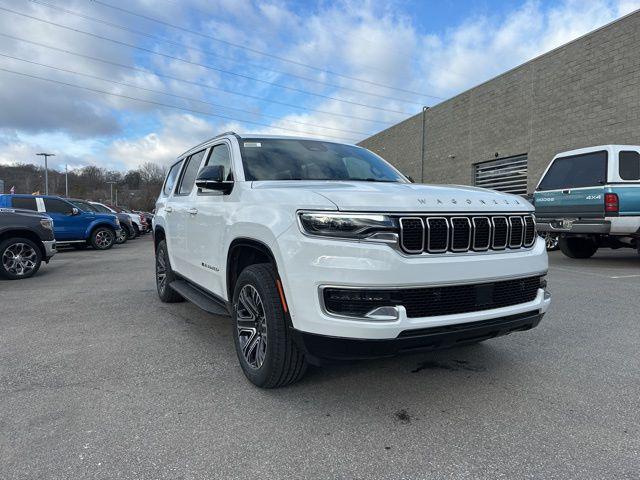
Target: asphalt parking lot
(98,379)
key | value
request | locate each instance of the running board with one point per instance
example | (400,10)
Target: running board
(201,299)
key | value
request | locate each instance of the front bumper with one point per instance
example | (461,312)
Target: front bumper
(49,248)
(308,264)
(320,349)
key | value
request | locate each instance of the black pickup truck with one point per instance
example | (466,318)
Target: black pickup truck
(26,239)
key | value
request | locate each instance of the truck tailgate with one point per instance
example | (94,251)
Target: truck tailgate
(576,203)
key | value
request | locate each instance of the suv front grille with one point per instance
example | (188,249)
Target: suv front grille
(466,233)
(433,301)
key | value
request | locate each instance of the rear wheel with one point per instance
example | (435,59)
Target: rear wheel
(267,352)
(19,258)
(578,247)
(165,275)
(103,238)
(131,234)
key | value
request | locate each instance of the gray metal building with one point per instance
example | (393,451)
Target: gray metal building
(503,133)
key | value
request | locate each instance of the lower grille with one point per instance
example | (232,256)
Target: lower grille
(433,301)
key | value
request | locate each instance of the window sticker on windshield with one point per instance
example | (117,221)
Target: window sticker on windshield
(252,144)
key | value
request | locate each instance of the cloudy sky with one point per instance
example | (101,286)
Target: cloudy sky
(117,83)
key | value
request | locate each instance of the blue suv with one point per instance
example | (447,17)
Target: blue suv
(71,225)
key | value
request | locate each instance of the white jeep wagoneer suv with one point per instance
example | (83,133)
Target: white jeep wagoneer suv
(321,252)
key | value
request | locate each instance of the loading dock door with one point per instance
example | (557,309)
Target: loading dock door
(504,174)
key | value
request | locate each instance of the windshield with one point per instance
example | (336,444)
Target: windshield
(288,159)
(100,208)
(82,205)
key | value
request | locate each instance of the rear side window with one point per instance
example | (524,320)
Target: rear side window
(55,205)
(190,173)
(24,202)
(587,170)
(220,156)
(629,167)
(170,182)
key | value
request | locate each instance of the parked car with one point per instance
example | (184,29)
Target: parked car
(126,227)
(135,218)
(26,240)
(71,225)
(590,199)
(321,251)
(132,230)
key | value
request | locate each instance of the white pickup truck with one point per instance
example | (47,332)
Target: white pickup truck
(321,252)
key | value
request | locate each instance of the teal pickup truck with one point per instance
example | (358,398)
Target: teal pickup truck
(590,199)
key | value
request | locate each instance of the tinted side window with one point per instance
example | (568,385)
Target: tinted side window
(629,165)
(55,205)
(588,170)
(24,202)
(190,173)
(220,156)
(171,179)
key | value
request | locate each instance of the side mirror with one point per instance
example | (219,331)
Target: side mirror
(410,178)
(211,177)
(75,211)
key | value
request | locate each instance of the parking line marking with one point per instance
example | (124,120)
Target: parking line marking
(626,276)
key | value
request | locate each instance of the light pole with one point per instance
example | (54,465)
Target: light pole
(111,185)
(66,180)
(46,170)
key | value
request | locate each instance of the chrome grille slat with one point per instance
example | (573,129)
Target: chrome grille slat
(434,237)
(412,234)
(464,233)
(516,232)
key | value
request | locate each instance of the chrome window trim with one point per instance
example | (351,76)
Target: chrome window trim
(484,249)
(453,232)
(493,237)
(511,244)
(446,247)
(402,234)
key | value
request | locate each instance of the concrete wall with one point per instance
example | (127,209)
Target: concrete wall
(581,94)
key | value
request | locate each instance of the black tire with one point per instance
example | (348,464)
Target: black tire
(273,359)
(165,275)
(136,230)
(19,258)
(578,247)
(102,238)
(131,234)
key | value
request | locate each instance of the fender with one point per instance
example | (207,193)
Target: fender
(98,222)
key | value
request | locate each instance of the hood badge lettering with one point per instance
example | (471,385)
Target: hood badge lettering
(468,201)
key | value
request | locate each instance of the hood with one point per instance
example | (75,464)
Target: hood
(405,197)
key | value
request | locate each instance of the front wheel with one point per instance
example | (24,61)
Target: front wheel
(268,354)
(103,238)
(578,247)
(122,237)
(550,241)
(19,258)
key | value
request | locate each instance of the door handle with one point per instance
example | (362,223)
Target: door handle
(192,211)
(168,209)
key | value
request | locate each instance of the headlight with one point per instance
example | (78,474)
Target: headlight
(46,223)
(345,225)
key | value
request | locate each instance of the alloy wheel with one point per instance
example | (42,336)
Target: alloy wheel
(103,238)
(251,326)
(19,259)
(161,271)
